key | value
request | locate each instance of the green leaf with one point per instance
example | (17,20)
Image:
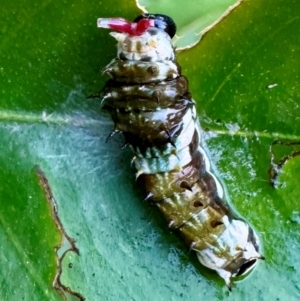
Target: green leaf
(51,54)
(192,20)
(27,232)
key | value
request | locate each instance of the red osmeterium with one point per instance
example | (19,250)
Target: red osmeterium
(133,29)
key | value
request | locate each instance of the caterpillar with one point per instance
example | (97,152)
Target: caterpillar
(150,104)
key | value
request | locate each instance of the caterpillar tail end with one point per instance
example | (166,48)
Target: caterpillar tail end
(241,245)
(227,273)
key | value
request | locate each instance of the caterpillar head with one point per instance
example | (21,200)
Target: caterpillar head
(161,21)
(148,38)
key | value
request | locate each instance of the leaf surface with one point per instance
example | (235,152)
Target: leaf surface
(244,77)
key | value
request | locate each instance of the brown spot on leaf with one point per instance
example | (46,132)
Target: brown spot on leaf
(60,287)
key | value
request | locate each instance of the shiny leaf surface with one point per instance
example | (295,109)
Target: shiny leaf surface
(244,76)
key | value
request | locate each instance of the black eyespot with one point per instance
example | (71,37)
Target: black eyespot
(246,267)
(161,21)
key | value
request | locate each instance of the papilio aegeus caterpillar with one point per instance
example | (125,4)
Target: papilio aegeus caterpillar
(149,102)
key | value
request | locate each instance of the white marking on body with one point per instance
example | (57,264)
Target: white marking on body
(156,47)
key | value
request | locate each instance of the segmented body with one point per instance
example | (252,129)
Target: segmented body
(150,104)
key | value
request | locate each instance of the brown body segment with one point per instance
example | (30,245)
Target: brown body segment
(148,97)
(152,116)
(143,72)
